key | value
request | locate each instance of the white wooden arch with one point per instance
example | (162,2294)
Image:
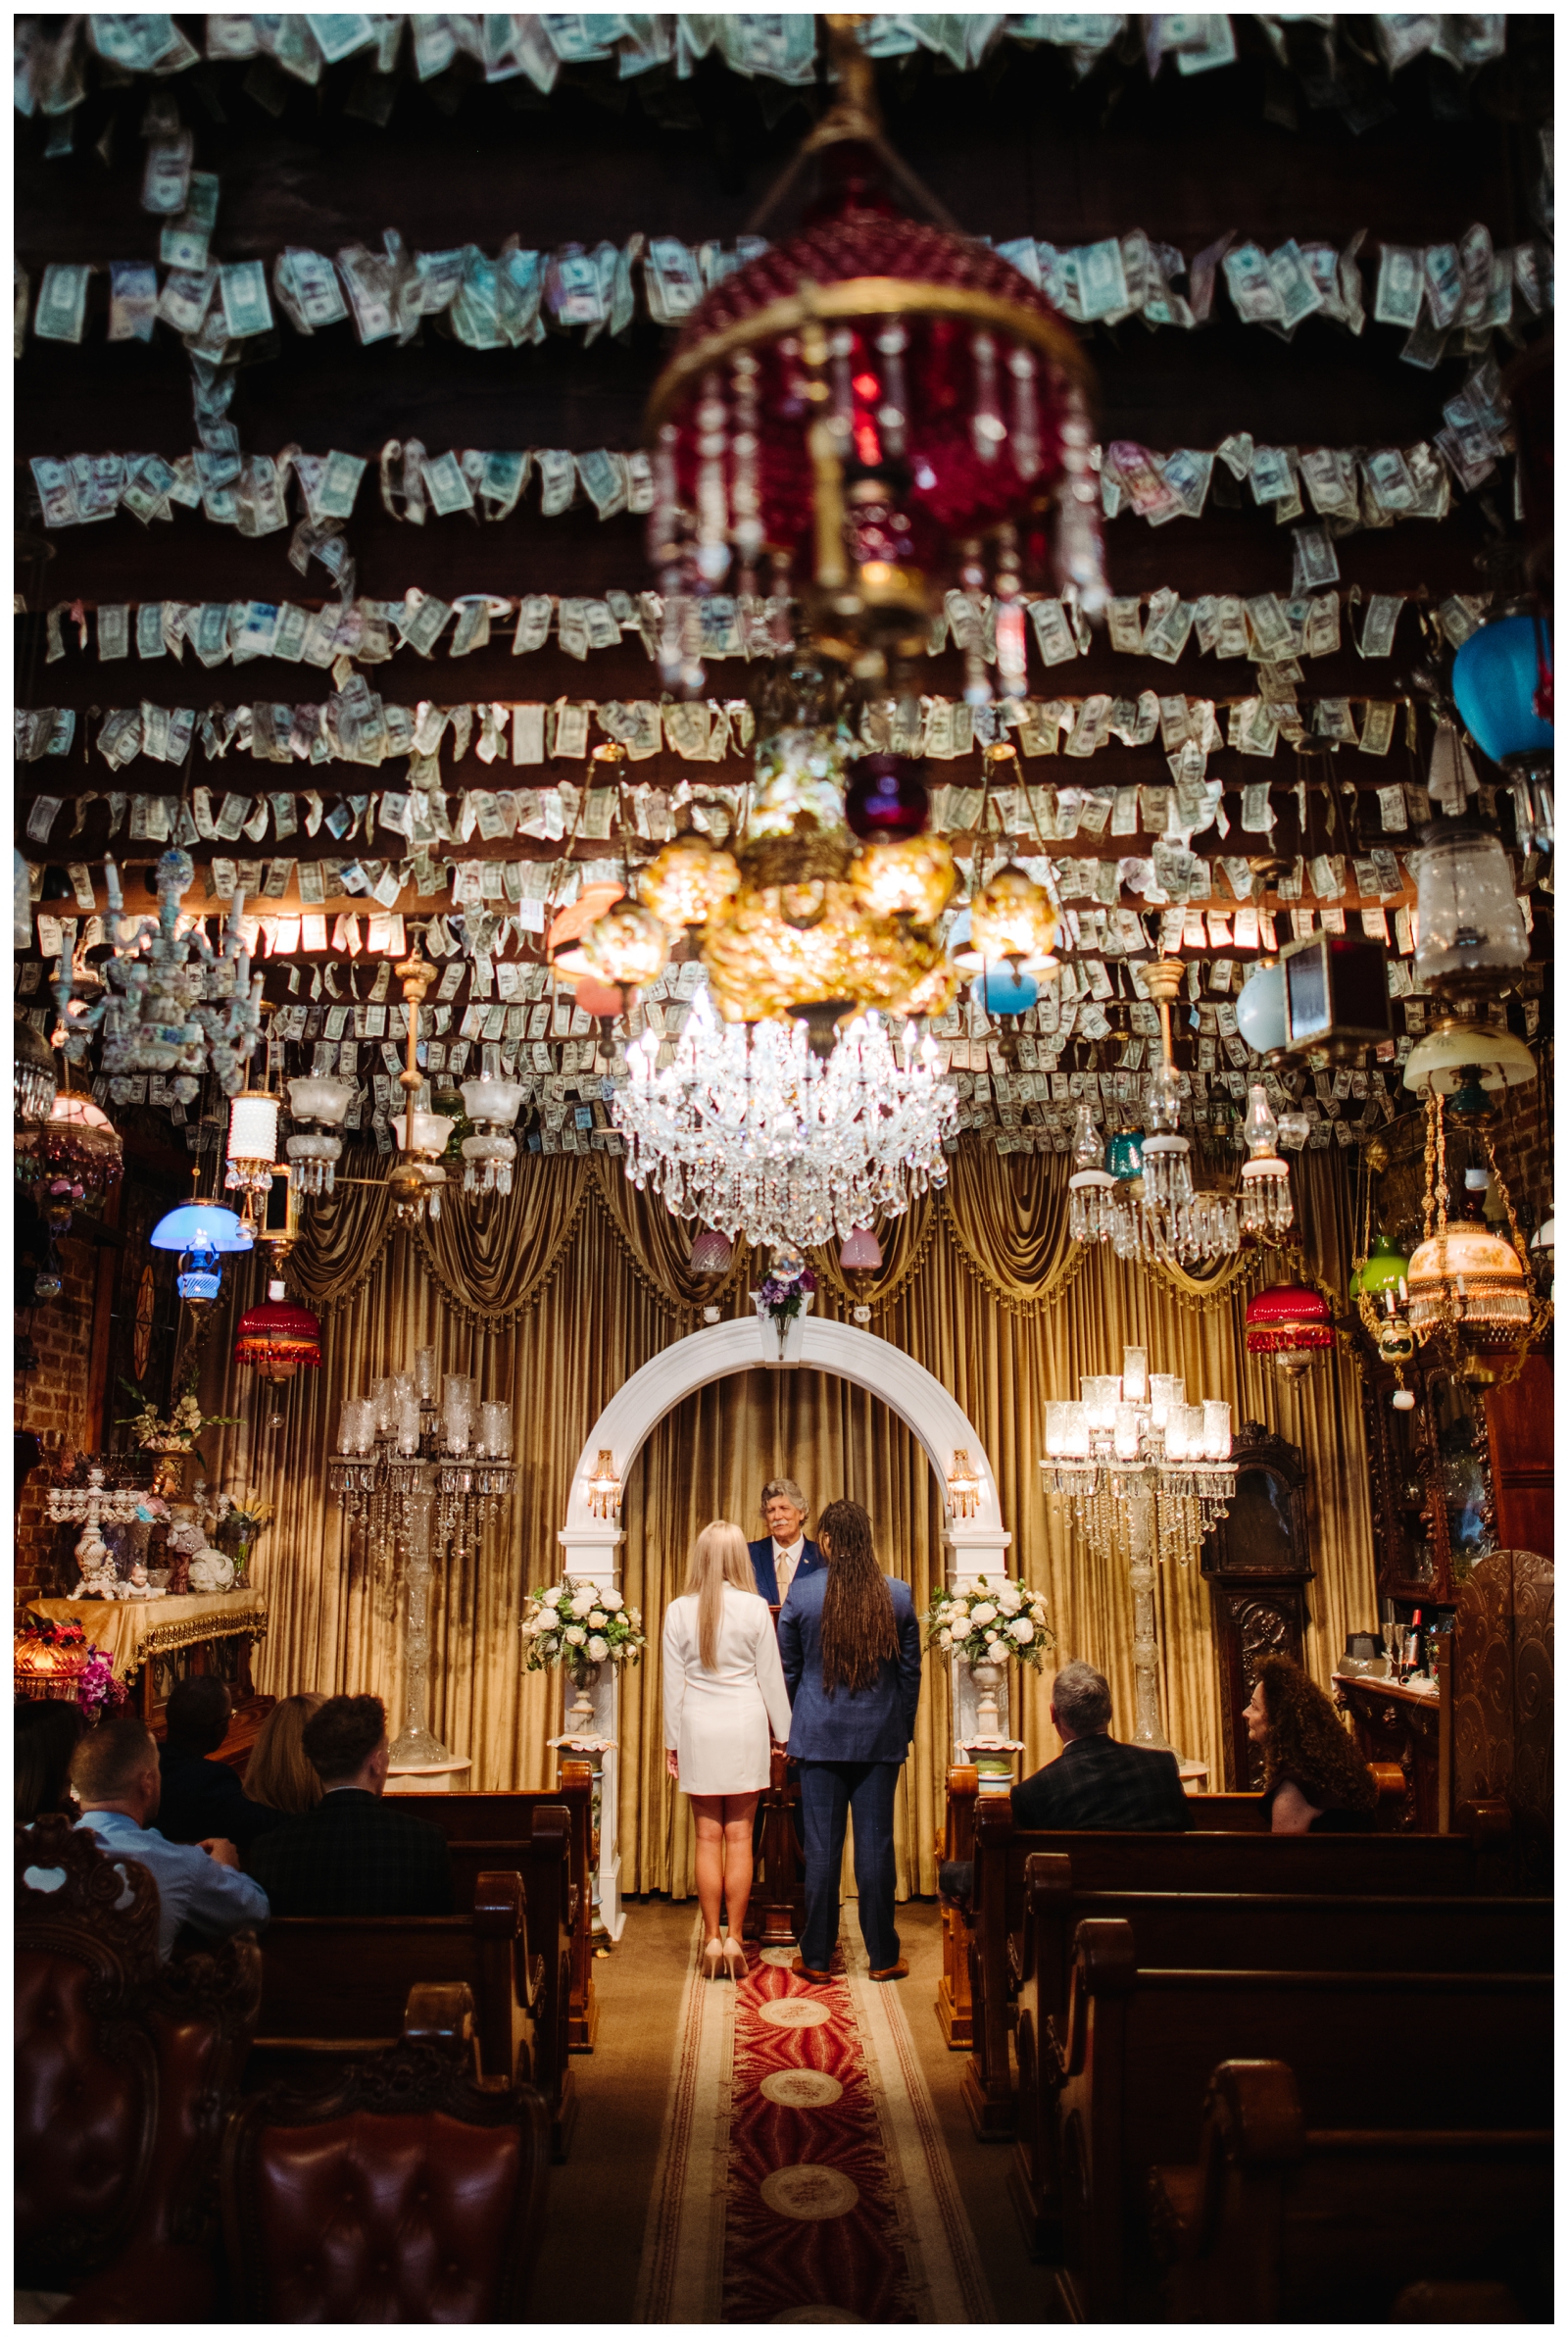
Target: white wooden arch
(975,1545)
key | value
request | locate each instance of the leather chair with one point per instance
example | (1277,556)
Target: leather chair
(407,2191)
(126,2070)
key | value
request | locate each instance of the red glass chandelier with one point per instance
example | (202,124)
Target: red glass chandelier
(878,405)
(278,1337)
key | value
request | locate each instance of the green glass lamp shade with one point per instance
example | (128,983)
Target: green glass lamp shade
(1386,1269)
(1124,1156)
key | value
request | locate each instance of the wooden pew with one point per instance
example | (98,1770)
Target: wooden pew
(1272,1932)
(1279,2222)
(487,1830)
(1130,2068)
(955,1994)
(335,1988)
(1238,1858)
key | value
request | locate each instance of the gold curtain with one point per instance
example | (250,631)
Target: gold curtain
(554,1297)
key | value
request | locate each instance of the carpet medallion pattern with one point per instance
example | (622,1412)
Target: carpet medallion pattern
(803,2177)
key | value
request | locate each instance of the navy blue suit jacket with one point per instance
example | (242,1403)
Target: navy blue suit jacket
(874,1725)
(762,1565)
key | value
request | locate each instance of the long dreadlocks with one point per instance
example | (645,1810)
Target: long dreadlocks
(859,1633)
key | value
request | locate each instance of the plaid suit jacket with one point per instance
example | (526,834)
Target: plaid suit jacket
(1099,1783)
(355,1854)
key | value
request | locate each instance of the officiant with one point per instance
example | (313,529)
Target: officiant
(784,1552)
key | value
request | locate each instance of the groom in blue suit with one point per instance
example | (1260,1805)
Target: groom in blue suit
(784,1551)
(850,1743)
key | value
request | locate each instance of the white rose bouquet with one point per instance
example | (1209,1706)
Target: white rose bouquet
(578,1623)
(989,1622)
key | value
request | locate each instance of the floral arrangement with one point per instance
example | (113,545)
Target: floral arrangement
(179,1432)
(244,1518)
(782,1296)
(989,1622)
(580,1624)
(98,1688)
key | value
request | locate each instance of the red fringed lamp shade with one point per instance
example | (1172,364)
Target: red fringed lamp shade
(1288,1319)
(870,399)
(961,402)
(277,1337)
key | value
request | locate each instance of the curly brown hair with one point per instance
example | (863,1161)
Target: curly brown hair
(1308,1743)
(859,1633)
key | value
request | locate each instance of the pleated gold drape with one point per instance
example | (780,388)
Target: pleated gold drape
(555,1297)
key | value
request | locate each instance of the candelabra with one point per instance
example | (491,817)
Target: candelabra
(92,1507)
(425,1475)
(1146,1475)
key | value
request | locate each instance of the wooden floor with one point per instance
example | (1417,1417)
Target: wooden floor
(588,2262)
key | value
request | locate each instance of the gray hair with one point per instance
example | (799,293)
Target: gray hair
(790,1492)
(1082,1697)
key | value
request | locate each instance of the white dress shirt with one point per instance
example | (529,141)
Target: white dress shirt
(785,1561)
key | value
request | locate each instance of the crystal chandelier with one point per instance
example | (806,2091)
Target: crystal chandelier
(416,1468)
(1145,1477)
(750,1131)
(1137,1193)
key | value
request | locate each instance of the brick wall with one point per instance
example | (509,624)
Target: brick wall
(53,1403)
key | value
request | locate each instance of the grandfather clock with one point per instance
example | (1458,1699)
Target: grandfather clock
(1257,1563)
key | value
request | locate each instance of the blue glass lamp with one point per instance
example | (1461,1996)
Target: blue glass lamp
(204,1223)
(1496,675)
(201,1271)
(1008,990)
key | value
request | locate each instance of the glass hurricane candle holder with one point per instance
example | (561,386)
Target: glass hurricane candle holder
(1100,1394)
(1216,1429)
(494,1431)
(427,1379)
(1135,1375)
(1165,1389)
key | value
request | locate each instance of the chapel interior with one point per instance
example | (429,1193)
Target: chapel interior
(884,862)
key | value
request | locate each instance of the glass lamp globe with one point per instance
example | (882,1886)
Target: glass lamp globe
(1472,941)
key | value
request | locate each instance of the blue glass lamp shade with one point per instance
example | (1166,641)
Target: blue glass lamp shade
(1496,674)
(1007,992)
(1261,1009)
(200,1222)
(1124,1156)
(200,1274)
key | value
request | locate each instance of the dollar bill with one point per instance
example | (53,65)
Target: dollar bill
(603,480)
(1475,269)
(1186,473)
(1329,474)
(337,485)
(166,173)
(423,622)
(1101,283)
(476,305)
(308,290)
(1379,623)
(1270,628)
(57,493)
(1315,561)
(219,477)
(1270,475)
(1170,621)
(1293,285)
(184,245)
(1444,279)
(1321,631)
(132,300)
(1252,290)
(62,310)
(1401,286)
(1388,477)
(368,280)
(672,279)
(146,489)
(1377,736)
(247,310)
(558,480)
(186,297)
(534,614)
(1053,635)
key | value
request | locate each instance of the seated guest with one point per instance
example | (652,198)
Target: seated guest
(354,1854)
(1096,1781)
(1314,1780)
(278,1773)
(202,1798)
(115,1771)
(46,1733)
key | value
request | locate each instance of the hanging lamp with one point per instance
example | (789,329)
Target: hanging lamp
(1291,1322)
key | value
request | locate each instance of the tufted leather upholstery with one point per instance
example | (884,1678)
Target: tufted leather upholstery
(406,2193)
(124,2071)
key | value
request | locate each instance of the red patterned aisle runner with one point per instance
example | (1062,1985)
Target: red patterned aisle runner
(803,2177)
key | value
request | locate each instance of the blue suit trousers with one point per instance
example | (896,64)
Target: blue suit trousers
(829,1791)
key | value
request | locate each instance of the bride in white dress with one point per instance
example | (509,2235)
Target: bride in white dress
(724,1698)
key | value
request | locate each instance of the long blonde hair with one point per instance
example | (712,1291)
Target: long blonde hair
(719,1556)
(279,1772)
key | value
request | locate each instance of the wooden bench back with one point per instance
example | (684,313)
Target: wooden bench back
(1276,1930)
(486,1817)
(1476,2060)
